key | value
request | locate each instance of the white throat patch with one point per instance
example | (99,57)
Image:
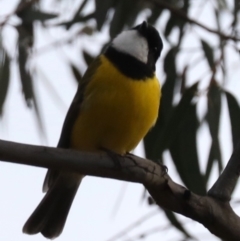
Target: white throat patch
(132,43)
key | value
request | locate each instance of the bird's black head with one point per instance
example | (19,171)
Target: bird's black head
(154,40)
(135,51)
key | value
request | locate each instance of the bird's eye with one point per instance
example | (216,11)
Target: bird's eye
(155,49)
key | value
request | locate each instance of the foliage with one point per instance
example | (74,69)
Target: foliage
(177,128)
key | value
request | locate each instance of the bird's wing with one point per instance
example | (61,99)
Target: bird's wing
(72,114)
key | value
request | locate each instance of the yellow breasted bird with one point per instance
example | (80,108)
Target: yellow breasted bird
(115,105)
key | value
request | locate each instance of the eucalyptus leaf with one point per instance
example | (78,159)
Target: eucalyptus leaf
(234,114)
(4,77)
(25,76)
(30,15)
(77,74)
(176,223)
(183,150)
(101,10)
(209,54)
(87,57)
(153,143)
(213,119)
(210,162)
(123,10)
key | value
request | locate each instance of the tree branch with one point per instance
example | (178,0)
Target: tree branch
(126,168)
(177,12)
(213,211)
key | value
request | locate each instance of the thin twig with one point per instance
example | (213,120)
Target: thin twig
(181,14)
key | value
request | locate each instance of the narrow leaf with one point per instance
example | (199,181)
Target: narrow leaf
(76,72)
(234,114)
(4,78)
(123,10)
(30,15)
(235,13)
(209,54)
(178,116)
(184,151)
(164,132)
(213,119)
(77,17)
(155,14)
(214,109)
(152,146)
(210,163)
(87,57)
(39,119)
(25,77)
(176,223)
(214,156)
(101,10)
(170,70)
(171,24)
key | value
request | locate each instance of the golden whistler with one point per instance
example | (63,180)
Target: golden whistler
(116,104)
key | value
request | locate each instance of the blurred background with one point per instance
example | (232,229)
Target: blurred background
(45,48)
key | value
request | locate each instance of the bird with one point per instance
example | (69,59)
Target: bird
(116,104)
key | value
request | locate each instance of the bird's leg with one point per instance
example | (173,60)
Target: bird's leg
(114,156)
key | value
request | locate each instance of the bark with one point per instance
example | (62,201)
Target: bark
(212,210)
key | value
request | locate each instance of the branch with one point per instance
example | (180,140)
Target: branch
(181,14)
(224,186)
(126,168)
(212,211)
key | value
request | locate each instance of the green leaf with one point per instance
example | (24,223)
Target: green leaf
(175,21)
(87,57)
(155,14)
(25,35)
(170,82)
(171,24)
(4,77)
(235,13)
(164,132)
(234,114)
(213,119)
(76,72)
(77,18)
(179,115)
(123,10)
(30,15)
(209,54)
(183,150)
(39,118)
(102,8)
(25,77)
(222,4)
(210,163)
(214,155)
(214,109)
(183,79)
(81,7)
(175,222)
(152,144)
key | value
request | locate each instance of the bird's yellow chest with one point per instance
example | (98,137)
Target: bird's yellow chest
(116,112)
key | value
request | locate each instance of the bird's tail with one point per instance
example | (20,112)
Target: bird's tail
(50,215)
